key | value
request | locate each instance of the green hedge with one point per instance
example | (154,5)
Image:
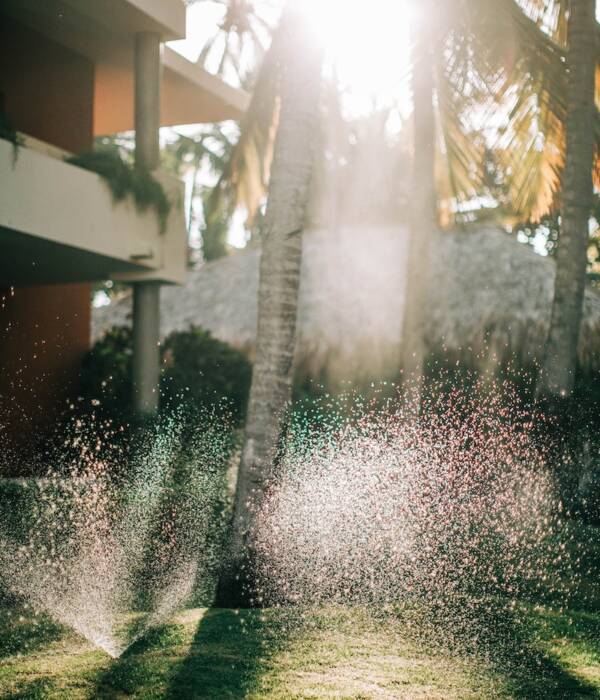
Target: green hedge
(198,372)
(203,372)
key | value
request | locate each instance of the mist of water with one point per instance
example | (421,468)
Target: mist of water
(443,510)
(99,541)
(372,504)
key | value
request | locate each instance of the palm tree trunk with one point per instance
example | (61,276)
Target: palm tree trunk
(423,218)
(557,376)
(281,238)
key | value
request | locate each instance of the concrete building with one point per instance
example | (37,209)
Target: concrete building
(71,70)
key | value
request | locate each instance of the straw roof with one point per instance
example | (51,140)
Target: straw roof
(489,298)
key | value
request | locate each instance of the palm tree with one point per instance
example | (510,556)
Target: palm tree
(423,217)
(491,62)
(488,55)
(245,176)
(240,38)
(489,77)
(281,235)
(237,159)
(204,153)
(556,380)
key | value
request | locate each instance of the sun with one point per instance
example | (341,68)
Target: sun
(367,47)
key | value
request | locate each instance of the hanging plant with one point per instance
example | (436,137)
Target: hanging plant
(9,133)
(125,180)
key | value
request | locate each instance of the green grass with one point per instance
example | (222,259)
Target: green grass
(523,652)
(461,649)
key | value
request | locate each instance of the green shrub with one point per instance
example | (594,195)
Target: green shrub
(201,371)
(106,372)
(198,372)
(17,506)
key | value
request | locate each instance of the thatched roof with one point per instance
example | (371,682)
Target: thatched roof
(489,295)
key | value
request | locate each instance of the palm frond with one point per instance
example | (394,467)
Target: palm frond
(460,159)
(502,68)
(246,174)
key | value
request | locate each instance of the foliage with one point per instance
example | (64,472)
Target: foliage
(125,180)
(198,372)
(237,162)
(245,177)
(203,371)
(106,371)
(545,233)
(7,129)
(242,30)
(500,92)
(498,70)
(7,133)
(204,155)
(200,157)
(122,144)
(500,88)
(594,247)
(111,289)
(237,51)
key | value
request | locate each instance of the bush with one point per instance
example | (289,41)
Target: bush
(198,372)
(106,372)
(201,371)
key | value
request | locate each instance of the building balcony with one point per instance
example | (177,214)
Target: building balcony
(103,33)
(59,223)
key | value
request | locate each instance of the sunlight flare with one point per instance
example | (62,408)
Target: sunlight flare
(367,47)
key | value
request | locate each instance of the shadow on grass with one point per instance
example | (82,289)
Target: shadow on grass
(228,655)
(34,690)
(231,652)
(510,644)
(582,627)
(144,666)
(20,633)
(528,671)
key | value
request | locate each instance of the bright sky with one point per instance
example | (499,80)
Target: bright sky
(203,19)
(367,45)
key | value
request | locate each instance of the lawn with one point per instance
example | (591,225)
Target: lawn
(529,652)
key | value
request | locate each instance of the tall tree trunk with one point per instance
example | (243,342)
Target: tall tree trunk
(281,238)
(557,376)
(423,218)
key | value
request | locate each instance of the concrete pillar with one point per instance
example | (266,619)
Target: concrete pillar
(146,295)
(146,360)
(147,99)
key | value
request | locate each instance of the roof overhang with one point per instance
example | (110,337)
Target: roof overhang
(190,95)
(85,24)
(104,33)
